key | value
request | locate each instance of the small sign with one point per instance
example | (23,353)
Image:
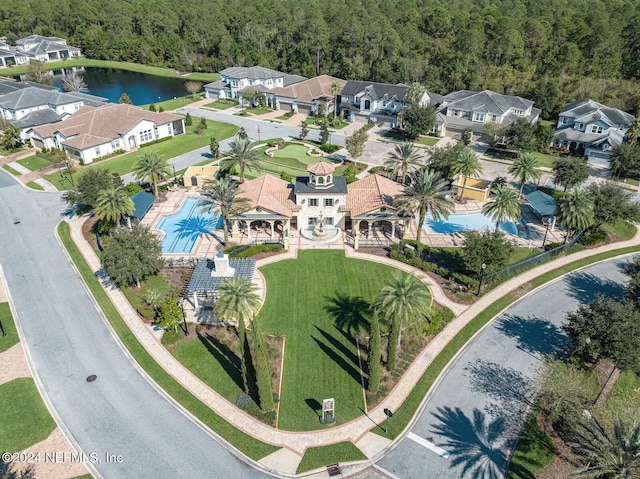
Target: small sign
(328,405)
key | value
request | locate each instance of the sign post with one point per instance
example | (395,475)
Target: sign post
(388,413)
(328,406)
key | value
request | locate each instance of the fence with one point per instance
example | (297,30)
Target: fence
(534,260)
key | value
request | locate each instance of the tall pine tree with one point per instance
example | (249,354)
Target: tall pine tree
(375,369)
(263,371)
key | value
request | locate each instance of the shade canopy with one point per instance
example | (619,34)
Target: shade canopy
(142,202)
(542,203)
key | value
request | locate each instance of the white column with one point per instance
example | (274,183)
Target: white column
(195,300)
(272,229)
(393,229)
(248,229)
(369,232)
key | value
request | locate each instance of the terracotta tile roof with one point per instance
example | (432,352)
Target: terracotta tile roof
(321,168)
(309,90)
(270,193)
(106,123)
(370,193)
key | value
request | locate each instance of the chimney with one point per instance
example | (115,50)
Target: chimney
(221,266)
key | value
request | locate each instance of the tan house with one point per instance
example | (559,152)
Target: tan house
(94,132)
(476,189)
(306,96)
(199,175)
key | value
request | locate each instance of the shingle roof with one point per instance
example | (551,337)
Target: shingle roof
(371,193)
(37,117)
(309,90)
(142,202)
(544,204)
(376,90)
(485,100)
(92,126)
(32,96)
(321,168)
(584,110)
(269,193)
(261,73)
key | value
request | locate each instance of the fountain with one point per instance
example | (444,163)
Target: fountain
(319,233)
(318,230)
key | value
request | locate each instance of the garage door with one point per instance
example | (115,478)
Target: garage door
(285,107)
(306,109)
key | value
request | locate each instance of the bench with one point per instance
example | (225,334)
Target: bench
(334,470)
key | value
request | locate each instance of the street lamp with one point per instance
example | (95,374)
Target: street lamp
(184,318)
(175,180)
(388,413)
(484,266)
(547,223)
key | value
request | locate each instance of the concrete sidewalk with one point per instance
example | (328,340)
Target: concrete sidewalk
(294,444)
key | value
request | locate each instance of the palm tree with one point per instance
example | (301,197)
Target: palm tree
(401,298)
(222,197)
(334,89)
(505,205)
(113,203)
(404,156)
(467,164)
(241,155)
(575,210)
(612,452)
(524,168)
(633,133)
(238,300)
(427,192)
(153,167)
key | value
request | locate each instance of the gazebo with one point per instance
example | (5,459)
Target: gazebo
(544,205)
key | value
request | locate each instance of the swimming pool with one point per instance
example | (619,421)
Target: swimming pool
(183,228)
(473,221)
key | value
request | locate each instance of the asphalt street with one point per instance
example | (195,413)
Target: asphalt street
(67,339)
(471,420)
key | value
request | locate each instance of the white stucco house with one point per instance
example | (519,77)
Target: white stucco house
(471,110)
(592,128)
(36,47)
(235,79)
(93,132)
(306,96)
(380,103)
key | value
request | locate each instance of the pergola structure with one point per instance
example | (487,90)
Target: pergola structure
(544,205)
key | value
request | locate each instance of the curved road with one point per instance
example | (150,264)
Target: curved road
(472,418)
(120,413)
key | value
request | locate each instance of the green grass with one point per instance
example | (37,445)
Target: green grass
(258,110)
(86,476)
(427,140)
(323,456)
(168,149)
(11,339)
(624,393)
(307,296)
(292,159)
(220,105)
(34,186)
(11,170)
(544,159)
(406,412)
(24,418)
(134,67)
(520,253)
(175,103)
(36,162)
(534,452)
(136,296)
(243,442)
(621,229)
(632,181)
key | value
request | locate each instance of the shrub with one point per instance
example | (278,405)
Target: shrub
(329,148)
(591,237)
(286,176)
(153,142)
(261,248)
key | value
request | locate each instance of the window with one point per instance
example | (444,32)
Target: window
(596,129)
(320,180)
(518,112)
(494,118)
(97,151)
(328,221)
(146,136)
(170,129)
(564,120)
(581,126)
(328,201)
(313,220)
(478,116)
(313,201)
(115,144)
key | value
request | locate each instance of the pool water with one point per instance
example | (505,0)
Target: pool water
(183,228)
(473,221)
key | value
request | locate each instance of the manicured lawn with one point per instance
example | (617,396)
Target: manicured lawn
(169,149)
(534,452)
(258,110)
(427,140)
(134,67)
(137,296)
(622,229)
(545,159)
(36,162)
(24,418)
(6,319)
(179,102)
(316,457)
(624,392)
(11,170)
(307,298)
(221,105)
(246,444)
(292,159)
(632,181)
(35,186)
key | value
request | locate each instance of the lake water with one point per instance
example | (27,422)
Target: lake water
(142,88)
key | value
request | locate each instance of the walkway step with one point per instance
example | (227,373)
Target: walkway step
(19,168)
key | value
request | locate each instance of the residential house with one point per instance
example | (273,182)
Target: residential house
(320,198)
(306,96)
(471,110)
(236,79)
(592,128)
(36,104)
(93,132)
(36,47)
(379,103)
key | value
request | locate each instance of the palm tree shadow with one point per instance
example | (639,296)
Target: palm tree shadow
(337,358)
(480,446)
(584,287)
(349,312)
(229,361)
(535,336)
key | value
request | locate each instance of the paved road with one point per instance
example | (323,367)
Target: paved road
(67,339)
(477,410)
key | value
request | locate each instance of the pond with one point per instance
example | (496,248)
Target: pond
(142,88)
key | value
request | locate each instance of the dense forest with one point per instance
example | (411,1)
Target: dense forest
(551,51)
